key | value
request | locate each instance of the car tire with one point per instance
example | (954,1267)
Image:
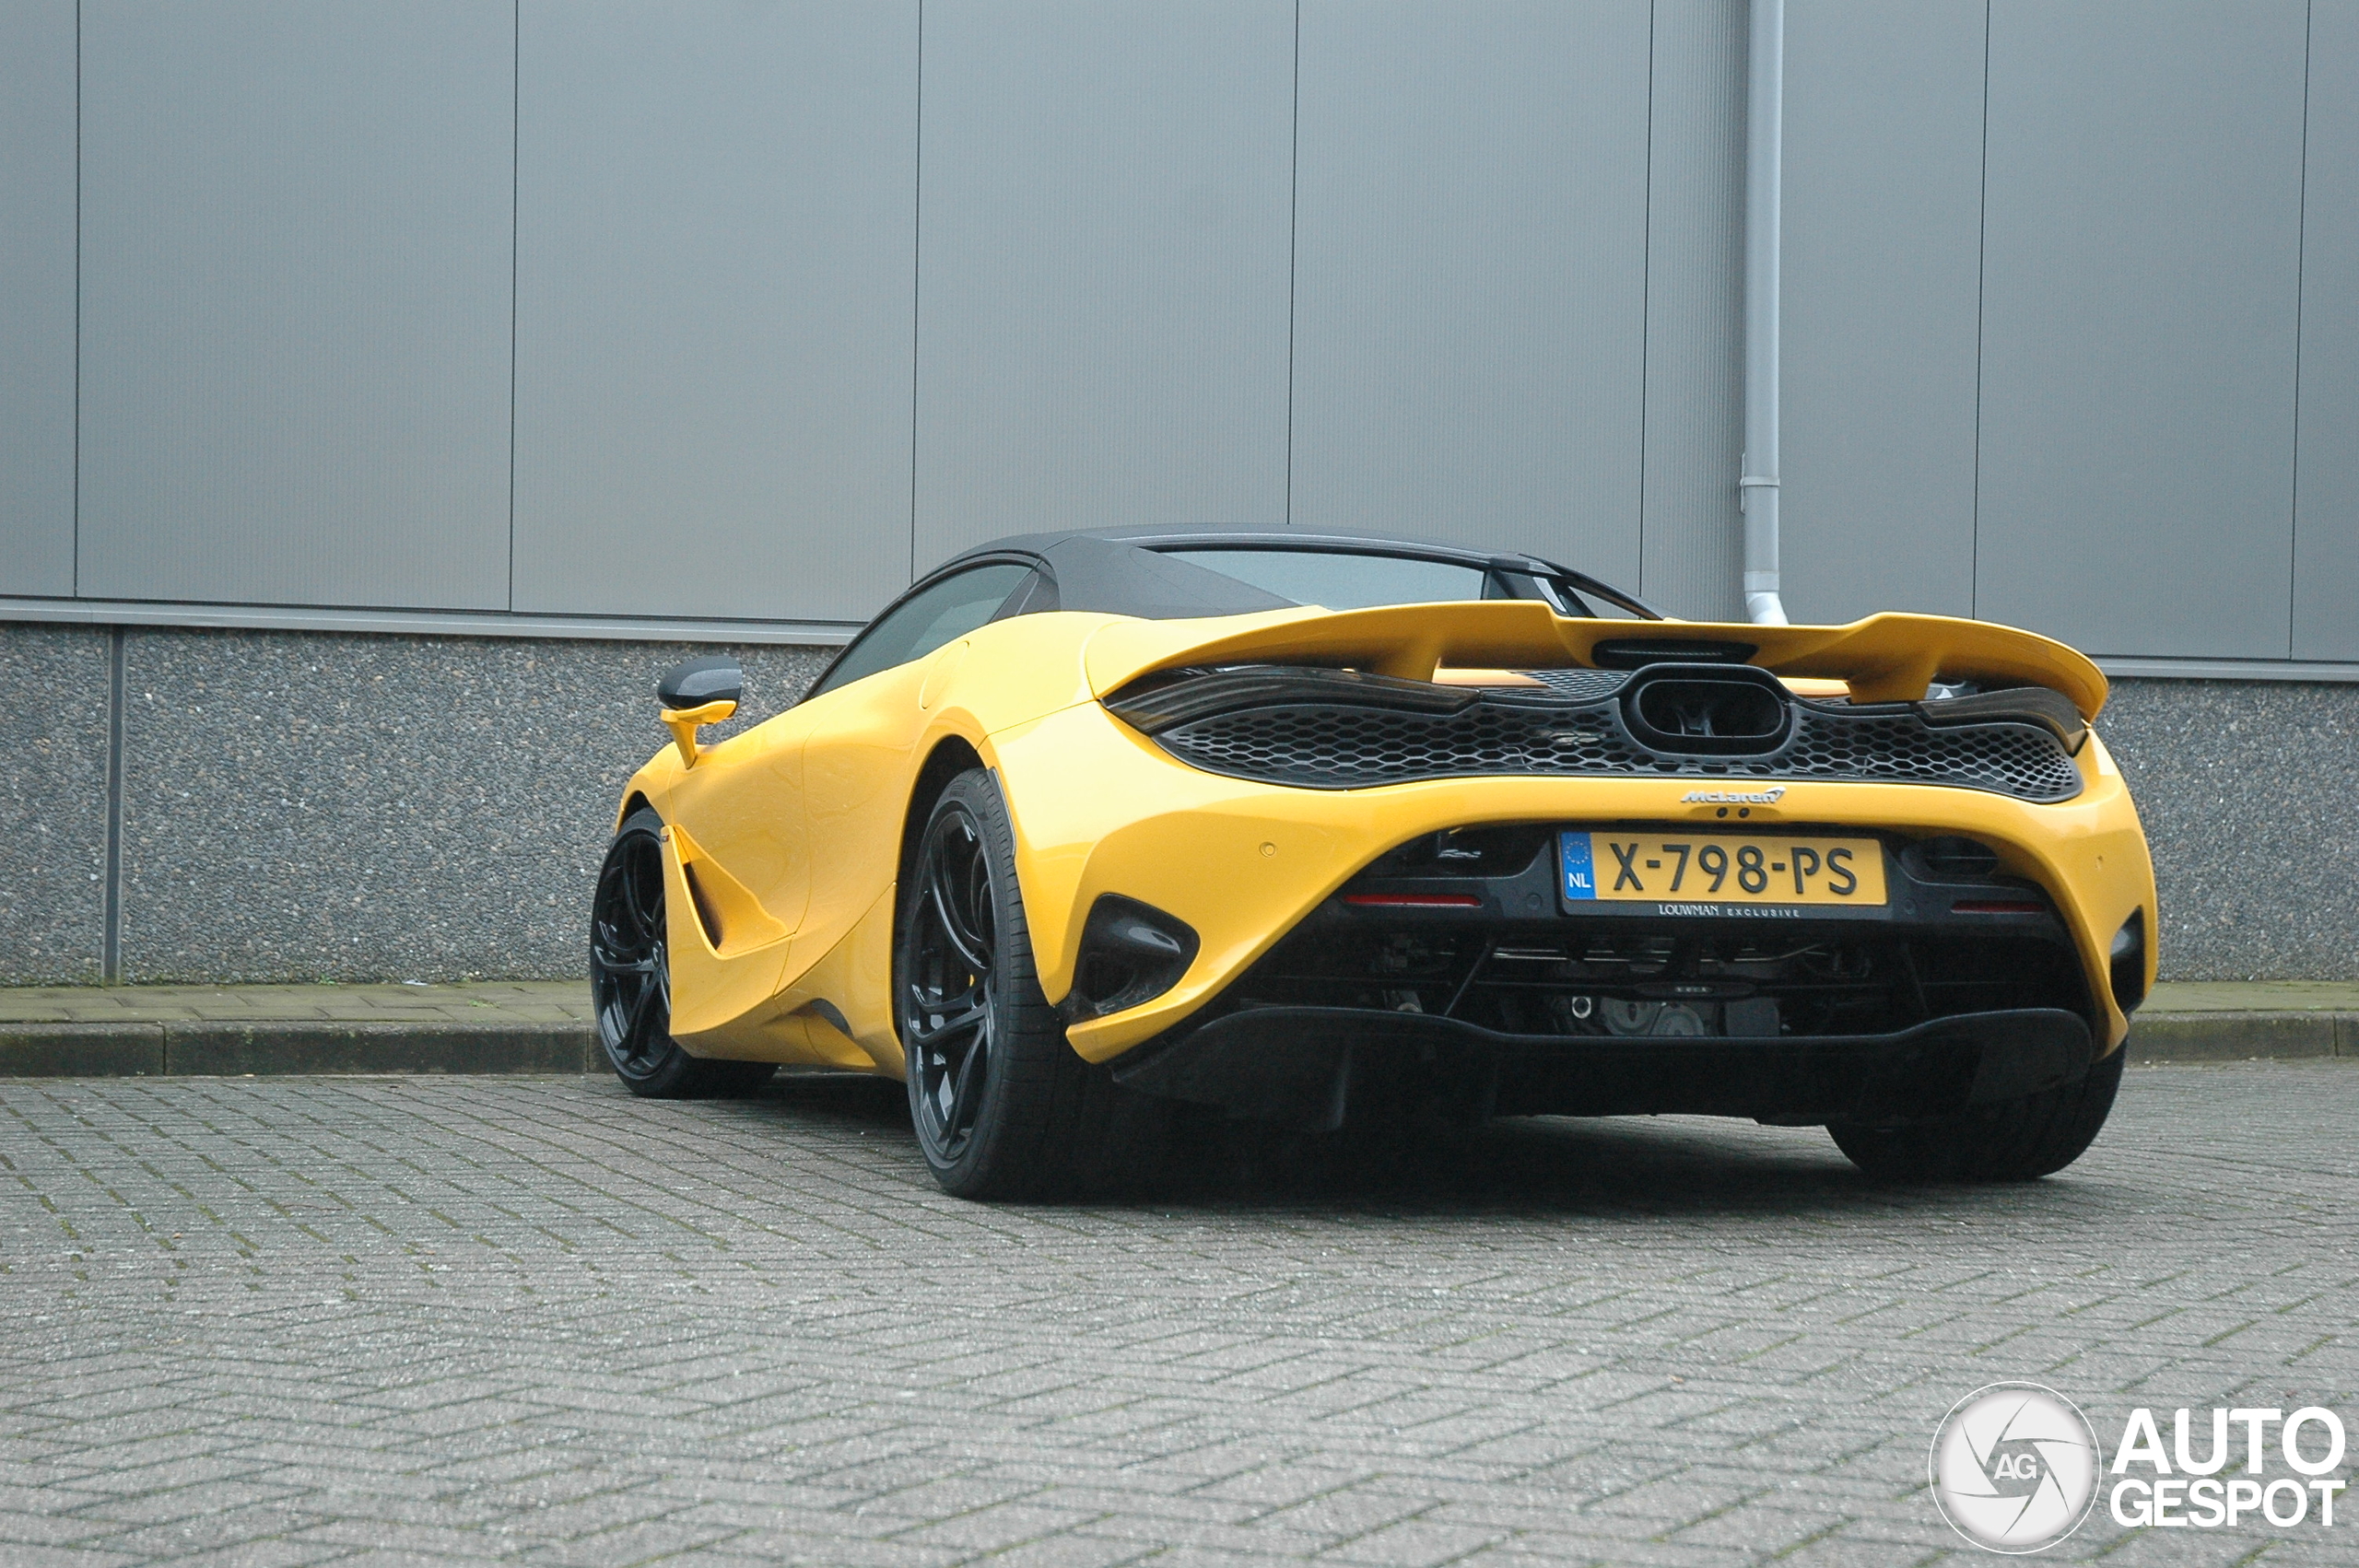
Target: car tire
(1002,1107)
(630,977)
(2018,1139)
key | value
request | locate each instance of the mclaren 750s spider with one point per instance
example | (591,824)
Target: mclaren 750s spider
(1295,826)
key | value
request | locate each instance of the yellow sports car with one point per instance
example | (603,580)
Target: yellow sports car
(1300,827)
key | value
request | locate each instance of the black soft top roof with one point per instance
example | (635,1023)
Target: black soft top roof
(1125,571)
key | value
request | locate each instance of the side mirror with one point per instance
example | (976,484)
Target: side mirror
(699,691)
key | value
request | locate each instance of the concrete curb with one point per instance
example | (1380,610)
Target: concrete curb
(2244,1037)
(217,1049)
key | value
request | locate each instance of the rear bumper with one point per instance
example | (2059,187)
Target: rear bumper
(1305,1065)
(1101,809)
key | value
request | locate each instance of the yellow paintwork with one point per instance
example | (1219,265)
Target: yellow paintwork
(711,985)
(793,828)
(1883,658)
(683,723)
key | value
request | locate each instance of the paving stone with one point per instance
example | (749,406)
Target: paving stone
(31,1554)
(285,1321)
(547,1026)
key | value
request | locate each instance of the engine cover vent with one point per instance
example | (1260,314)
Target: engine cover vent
(1704,710)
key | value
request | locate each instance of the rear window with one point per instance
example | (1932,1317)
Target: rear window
(1335,581)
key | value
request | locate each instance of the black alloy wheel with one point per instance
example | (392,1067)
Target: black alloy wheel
(1002,1104)
(950,983)
(630,976)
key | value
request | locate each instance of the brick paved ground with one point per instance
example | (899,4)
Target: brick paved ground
(557,1002)
(288,1320)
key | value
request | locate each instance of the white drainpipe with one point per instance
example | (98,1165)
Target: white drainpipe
(1757,474)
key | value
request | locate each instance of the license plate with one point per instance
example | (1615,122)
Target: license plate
(1719,869)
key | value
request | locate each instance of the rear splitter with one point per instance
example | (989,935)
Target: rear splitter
(1306,1066)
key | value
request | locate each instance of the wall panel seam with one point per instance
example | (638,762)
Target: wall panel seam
(74,568)
(1982,271)
(1294,248)
(916,281)
(2301,259)
(93,612)
(110,894)
(515,242)
(1646,297)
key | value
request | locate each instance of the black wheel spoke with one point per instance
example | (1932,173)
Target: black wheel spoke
(635,1021)
(974,1017)
(967,1090)
(968,950)
(949,990)
(635,903)
(969,945)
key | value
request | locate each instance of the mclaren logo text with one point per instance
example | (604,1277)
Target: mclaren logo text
(1769,797)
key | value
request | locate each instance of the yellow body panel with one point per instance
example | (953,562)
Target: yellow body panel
(712,984)
(806,814)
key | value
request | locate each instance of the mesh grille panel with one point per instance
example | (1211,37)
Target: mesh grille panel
(1581,685)
(1343,746)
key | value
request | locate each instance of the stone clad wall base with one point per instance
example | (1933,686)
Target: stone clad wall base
(2246,792)
(310,807)
(53,809)
(303,807)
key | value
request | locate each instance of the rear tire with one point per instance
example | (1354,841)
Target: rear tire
(630,977)
(2011,1140)
(1002,1107)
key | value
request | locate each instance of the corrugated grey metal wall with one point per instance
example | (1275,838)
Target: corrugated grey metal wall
(37,77)
(2065,280)
(295,301)
(1102,265)
(2142,265)
(1470,320)
(2326,469)
(716,233)
(691,308)
(1689,543)
(1882,295)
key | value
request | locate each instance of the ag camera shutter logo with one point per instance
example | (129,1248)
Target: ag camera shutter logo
(2014,1468)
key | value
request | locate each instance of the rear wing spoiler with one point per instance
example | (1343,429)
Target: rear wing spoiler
(1891,658)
